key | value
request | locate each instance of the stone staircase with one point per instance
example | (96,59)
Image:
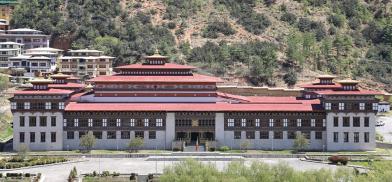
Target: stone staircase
(192,148)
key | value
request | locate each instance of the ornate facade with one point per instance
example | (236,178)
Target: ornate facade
(166,104)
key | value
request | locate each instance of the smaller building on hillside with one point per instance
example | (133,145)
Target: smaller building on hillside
(6,8)
(49,52)
(86,63)
(9,49)
(384,106)
(29,37)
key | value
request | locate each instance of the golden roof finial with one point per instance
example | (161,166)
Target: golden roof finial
(156,51)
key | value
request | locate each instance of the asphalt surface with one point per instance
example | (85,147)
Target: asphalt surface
(385,130)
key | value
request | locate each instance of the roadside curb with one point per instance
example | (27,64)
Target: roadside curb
(45,165)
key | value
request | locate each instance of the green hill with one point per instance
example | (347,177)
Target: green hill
(256,42)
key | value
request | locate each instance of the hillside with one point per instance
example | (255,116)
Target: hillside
(246,42)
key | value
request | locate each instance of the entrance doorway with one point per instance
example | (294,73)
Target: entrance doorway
(195,136)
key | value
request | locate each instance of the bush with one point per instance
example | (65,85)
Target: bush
(105,173)
(171,25)
(289,18)
(337,20)
(215,27)
(269,2)
(338,159)
(224,149)
(354,23)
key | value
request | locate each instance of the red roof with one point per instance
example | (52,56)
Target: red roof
(163,66)
(67,85)
(321,86)
(195,78)
(172,107)
(348,92)
(50,91)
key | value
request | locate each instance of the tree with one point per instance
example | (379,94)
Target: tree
(3,82)
(73,174)
(290,77)
(245,145)
(135,144)
(23,151)
(88,141)
(300,142)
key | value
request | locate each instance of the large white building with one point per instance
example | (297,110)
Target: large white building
(7,50)
(30,38)
(169,105)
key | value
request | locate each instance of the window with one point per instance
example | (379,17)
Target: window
(313,122)
(90,122)
(159,122)
(319,135)
(356,137)
(257,122)
(20,105)
(250,135)
(361,106)
(291,134)
(278,135)
(132,122)
(243,122)
(32,137)
(324,122)
(152,135)
(264,135)
(54,105)
(21,121)
(104,122)
(42,121)
(43,137)
(112,123)
(366,121)
(32,121)
(237,134)
(293,123)
(345,134)
(70,135)
(341,106)
(285,122)
(76,122)
(52,137)
(336,121)
(271,122)
(230,122)
(346,121)
(146,122)
(356,122)
(21,137)
(61,105)
(97,134)
(125,135)
(27,105)
(299,124)
(82,133)
(335,137)
(139,134)
(48,105)
(13,105)
(118,124)
(375,106)
(53,121)
(327,106)
(366,137)
(111,135)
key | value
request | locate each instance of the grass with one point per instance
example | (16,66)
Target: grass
(105,179)
(5,121)
(260,151)
(97,152)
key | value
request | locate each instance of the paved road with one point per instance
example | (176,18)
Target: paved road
(140,165)
(386,130)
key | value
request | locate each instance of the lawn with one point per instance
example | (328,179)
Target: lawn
(72,152)
(105,179)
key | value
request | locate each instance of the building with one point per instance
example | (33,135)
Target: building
(168,105)
(7,50)
(6,8)
(85,62)
(384,107)
(29,37)
(3,24)
(52,53)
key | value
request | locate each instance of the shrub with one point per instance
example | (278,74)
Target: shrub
(289,18)
(27,175)
(354,23)
(269,2)
(224,149)
(132,176)
(1,175)
(115,174)
(215,27)
(171,25)
(337,20)
(105,173)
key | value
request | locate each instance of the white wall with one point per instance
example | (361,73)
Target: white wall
(341,145)
(37,145)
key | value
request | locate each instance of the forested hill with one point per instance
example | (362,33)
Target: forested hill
(259,42)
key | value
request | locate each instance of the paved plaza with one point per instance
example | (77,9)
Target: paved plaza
(385,130)
(144,166)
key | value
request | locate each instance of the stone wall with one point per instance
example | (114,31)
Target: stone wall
(259,91)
